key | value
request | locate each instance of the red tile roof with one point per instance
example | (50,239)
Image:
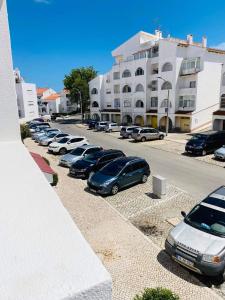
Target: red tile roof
(40,91)
(41,163)
(52,97)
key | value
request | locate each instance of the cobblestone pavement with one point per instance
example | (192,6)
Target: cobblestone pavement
(132,259)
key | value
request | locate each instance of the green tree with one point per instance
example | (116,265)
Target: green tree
(77,81)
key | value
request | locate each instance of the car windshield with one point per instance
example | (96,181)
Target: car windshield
(77,152)
(51,135)
(63,140)
(136,130)
(93,157)
(207,219)
(113,168)
(199,137)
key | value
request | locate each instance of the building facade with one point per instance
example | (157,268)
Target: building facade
(26,98)
(147,69)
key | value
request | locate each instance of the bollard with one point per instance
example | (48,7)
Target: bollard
(159,186)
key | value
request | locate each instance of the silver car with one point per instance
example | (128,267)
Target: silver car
(68,159)
(220,153)
(100,126)
(126,132)
(144,134)
(53,138)
(112,127)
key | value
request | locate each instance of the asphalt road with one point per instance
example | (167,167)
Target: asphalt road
(196,177)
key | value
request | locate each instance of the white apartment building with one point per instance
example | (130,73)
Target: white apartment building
(147,67)
(26,98)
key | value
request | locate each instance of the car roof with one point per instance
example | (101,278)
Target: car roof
(209,132)
(216,199)
(130,159)
(89,146)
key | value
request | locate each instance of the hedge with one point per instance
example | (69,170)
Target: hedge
(157,294)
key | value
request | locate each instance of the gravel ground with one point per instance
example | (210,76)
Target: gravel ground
(133,260)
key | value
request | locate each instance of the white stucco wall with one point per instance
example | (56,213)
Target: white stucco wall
(43,255)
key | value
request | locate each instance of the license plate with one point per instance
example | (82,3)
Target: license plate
(92,190)
(184,261)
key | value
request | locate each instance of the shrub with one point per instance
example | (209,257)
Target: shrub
(55,179)
(157,294)
(24,131)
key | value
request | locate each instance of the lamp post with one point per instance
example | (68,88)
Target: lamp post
(167,108)
(81,104)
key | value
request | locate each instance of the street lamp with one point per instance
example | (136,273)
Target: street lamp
(81,103)
(167,108)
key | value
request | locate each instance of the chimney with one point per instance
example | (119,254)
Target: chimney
(158,33)
(190,39)
(204,42)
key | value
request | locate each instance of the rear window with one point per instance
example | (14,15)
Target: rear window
(63,140)
(215,201)
(136,130)
(123,129)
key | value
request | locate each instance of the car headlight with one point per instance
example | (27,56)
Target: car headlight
(211,258)
(170,240)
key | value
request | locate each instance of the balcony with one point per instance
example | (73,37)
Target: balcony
(187,91)
(190,66)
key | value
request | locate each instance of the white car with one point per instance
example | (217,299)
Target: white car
(66,144)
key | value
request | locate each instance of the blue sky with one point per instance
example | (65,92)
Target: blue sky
(50,37)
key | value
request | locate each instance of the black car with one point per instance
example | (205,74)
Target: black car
(93,162)
(92,124)
(205,142)
(54,116)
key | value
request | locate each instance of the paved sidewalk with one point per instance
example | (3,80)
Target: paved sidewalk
(132,259)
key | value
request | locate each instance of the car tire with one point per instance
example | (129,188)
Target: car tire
(143,139)
(115,189)
(62,151)
(129,136)
(144,178)
(161,137)
(204,153)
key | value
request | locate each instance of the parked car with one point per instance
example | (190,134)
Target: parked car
(55,137)
(35,126)
(198,242)
(43,132)
(93,162)
(67,144)
(120,173)
(110,127)
(205,142)
(54,116)
(46,136)
(126,132)
(144,134)
(39,130)
(92,124)
(220,153)
(100,126)
(36,120)
(68,159)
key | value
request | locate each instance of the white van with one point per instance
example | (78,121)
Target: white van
(198,242)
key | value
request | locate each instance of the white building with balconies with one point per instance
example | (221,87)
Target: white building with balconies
(147,69)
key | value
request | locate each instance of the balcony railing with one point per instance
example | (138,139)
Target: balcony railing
(190,66)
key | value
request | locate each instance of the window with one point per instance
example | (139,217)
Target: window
(222,103)
(187,101)
(116,75)
(116,89)
(94,91)
(95,104)
(155,69)
(108,91)
(76,140)
(92,150)
(126,74)
(139,72)
(192,84)
(108,79)
(166,86)
(139,88)
(154,101)
(139,103)
(126,89)
(127,170)
(116,103)
(167,67)
(190,65)
(127,103)
(154,85)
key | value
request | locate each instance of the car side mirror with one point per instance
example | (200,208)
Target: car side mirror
(68,143)
(183,214)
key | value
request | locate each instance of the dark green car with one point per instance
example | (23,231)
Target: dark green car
(118,174)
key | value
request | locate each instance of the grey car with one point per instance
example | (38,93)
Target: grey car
(80,152)
(144,134)
(100,126)
(112,127)
(126,132)
(52,138)
(220,153)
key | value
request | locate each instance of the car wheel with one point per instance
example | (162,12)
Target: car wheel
(115,189)
(161,137)
(62,151)
(144,178)
(203,153)
(129,136)
(143,139)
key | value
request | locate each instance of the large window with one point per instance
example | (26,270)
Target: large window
(139,72)
(190,65)
(126,89)
(139,103)
(95,104)
(116,75)
(154,101)
(139,88)
(116,89)
(222,103)
(126,74)
(167,67)
(187,101)
(94,91)
(166,86)
(116,103)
